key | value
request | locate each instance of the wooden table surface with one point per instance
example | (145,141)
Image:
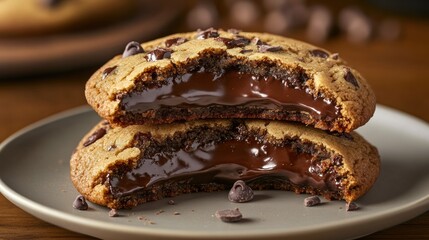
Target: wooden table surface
(398,71)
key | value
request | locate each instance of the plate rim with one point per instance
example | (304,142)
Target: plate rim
(71,222)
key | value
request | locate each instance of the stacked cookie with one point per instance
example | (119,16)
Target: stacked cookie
(198,111)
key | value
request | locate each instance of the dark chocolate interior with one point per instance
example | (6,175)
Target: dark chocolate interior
(232,91)
(230,88)
(205,156)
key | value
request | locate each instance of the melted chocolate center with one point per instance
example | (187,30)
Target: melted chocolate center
(225,162)
(230,88)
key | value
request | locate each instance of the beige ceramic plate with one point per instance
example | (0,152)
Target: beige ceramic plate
(25,57)
(34,176)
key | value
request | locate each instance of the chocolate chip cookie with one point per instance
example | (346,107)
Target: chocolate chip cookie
(230,74)
(121,167)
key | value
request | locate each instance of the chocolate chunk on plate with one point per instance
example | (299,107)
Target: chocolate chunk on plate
(240,192)
(229,215)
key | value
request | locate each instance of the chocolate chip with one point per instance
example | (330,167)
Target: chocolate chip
(111,147)
(246,51)
(158,54)
(174,41)
(132,48)
(208,33)
(239,42)
(80,203)
(107,71)
(344,135)
(349,77)
(224,40)
(335,56)
(232,43)
(311,201)
(113,213)
(351,206)
(240,192)
(269,48)
(94,137)
(229,215)
(257,41)
(319,53)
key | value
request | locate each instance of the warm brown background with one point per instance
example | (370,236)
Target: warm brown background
(397,70)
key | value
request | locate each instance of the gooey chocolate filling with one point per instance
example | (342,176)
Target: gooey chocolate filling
(230,88)
(225,162)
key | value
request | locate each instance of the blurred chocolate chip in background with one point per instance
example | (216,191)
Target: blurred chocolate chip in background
(320,24)
(203,15)
(355,24)
(243,13)
(313,21)
(389,29)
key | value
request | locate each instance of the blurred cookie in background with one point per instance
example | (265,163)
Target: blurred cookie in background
(39,37)
(27,18)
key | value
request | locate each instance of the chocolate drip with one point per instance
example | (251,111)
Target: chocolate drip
(226,162)
(230,88)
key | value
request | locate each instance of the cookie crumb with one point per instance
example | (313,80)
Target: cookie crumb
(113,213)
(351,206)
(146,220)
(171,202)
(159,212)
(176,213)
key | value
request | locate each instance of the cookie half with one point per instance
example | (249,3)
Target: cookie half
(123,167)
(230,74)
